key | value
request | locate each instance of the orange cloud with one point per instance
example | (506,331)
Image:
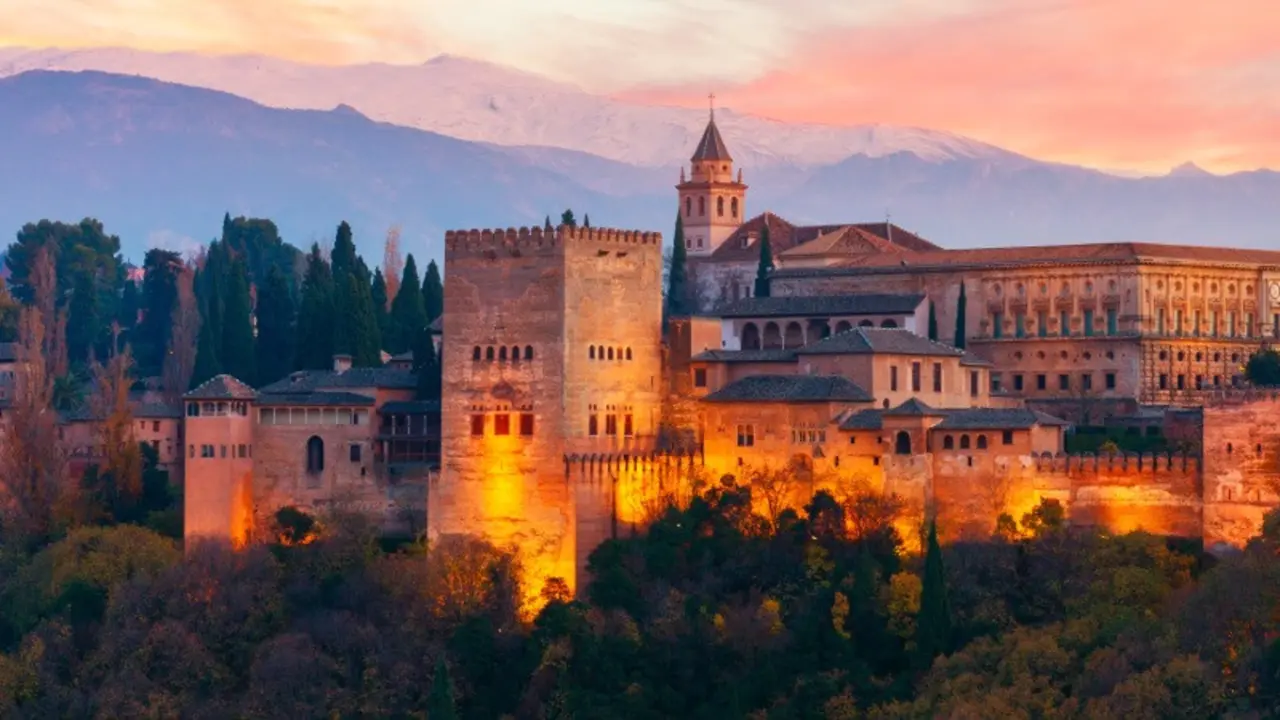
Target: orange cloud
(1112,83)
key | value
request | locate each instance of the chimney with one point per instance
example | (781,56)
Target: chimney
(341,363)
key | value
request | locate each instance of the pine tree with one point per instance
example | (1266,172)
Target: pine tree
(440,704)
(380,303)
(407,313)
(961,304)
(766,263)
(238,356)
(314,347)
(343,257)
(933,624)
(566,218)
(276,334)
(432,293)
(933,323)
(356,325)
(677,293)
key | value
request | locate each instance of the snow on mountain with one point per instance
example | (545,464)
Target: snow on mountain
(479,101)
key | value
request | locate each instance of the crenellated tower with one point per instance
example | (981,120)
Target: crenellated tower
(712,200)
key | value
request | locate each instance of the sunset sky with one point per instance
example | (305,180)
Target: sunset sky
(1134,84)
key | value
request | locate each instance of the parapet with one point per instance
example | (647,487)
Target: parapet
(1234,397)
(1077,464)
(514,242)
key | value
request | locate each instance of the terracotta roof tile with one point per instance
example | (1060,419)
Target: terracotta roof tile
(857,238)
(745,356)
(889,341)
(790,388)
(222,387)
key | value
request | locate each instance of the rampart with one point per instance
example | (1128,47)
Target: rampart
(514,241)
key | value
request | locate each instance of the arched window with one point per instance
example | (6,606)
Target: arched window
(795,335)
(502,353)
(843,326)
(964,442)
(628,353)
(902,445)
(750,337)
(948,442)
(591,352)
(528,352)
(772,336)
(610,353)
(515,353)
(315,455)
(982,442)
(488,353)
(688,207)
(719,207)
(888,324)
(475,353)
(733,207)
(866,323)
(1228,448)
(702,205)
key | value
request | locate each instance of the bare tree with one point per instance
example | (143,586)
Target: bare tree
(113,428)
(35,496)
(392,264)
(180,358)
(43,281)
(776,487)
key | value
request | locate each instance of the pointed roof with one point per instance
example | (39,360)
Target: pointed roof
(913,408)
(221,387)
(711,146)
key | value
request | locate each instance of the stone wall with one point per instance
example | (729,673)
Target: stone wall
(1241,466)
(281,477)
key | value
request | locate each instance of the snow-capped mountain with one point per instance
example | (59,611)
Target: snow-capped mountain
(482,102)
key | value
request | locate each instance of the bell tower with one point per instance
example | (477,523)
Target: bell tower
(712,202)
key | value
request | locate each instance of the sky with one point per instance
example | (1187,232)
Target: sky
(1118,84)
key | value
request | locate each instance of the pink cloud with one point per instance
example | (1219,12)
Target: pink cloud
(1112,83)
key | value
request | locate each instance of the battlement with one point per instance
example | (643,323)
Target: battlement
(1177,466)
(1232,397)
(498,242)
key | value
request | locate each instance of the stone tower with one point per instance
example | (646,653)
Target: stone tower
(712,201)
(218,432)
(551,347)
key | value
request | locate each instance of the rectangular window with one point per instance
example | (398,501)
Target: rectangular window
(526,424)
(155,426)
(1182,382)
(1064,323)
(1007,437)
(893,378)
(1177,322)
(611,425)
(1042,382)
(1195,329)
(1113,321)
(191,451)
(1042,324)
(700,377)
(224,450)
(1199,382)
(502,424)
(240,451)
(354,452)
(593,425)
(995,382)
(477,425)
(627,430)
(1213,323)
(1017,383)
(1248,325)
(1111,381)
(915,377)
(1231,323)
(746,436)
(1164,381)
(997,325)
(973,383)
(1020,325)
(937,377)
(1064,382)
(1086,381)
(1160,321)
(1088,323)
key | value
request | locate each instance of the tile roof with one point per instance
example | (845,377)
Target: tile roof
(745,356)
(222,387)
(311,380)
(847,240)
(711,146)
(971,360)
(868,419)
(783,236)
(410,407)
(865,340)
(960,419)
(822,305)
(344,399)
(914,407)
(157,410)
(790,388)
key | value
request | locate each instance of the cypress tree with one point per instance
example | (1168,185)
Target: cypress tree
(314,346)
(933,323)
(343,257)
(130,301)
(211,291)
(586,220)
(206,364)
(440,704)
(547,225)
(676,279)
(432,293)
(566,218)
(766,263)
(961,304)
(83,324)
(275,328)
(238,355)
(407,313)
(933,624)
(379,291)
(356,325)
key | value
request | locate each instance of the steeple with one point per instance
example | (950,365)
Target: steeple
(711,147)
(712,202)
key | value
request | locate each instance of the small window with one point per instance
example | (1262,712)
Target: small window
(315,455)
(915,377)
(528,352)
(628,353)
(502,354)
(937,377)
(964,442)
(155,426)
(488,353)
(700,377)
(191,451)
(242,451)
(973,383)
(1111,381)
(355,451)
(475,353)
(627,429)
(746,436)
(948,442)
(1017,383)
(611,425)
(1007,437)
(591,352)
(982,442)
(515,353)
(593,425)
(193,409)
(223,448)
(610,353)
(1064,382)
(502,424)
(477,425)
(893,378)
(526,424)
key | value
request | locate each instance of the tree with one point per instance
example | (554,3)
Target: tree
(379,292)
(356,325)
(933,624)
(10,309)
(343,256)
(184,335)
(314,346)
(276,333)
(566,218)
(961,307)
(130,305)
(677,292)
(118,485)
(408,316)
(547,226)
(1263,368)
(392,266)
(432,293)
(440,705)
(933,322)
(766,263)
(237,353)
(159,298)
(83,324)
(206,364)
(586,220)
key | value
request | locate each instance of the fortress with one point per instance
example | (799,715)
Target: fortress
(877,362)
